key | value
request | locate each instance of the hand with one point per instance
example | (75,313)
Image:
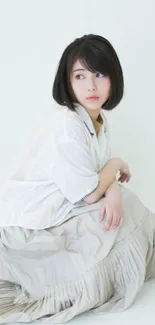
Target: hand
(125,174)
(111,211)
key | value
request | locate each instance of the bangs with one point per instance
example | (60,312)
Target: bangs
(92,58)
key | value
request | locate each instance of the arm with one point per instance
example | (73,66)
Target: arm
(107,177)
(113,188)
(111,211)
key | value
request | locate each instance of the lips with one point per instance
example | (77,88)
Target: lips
(93,97)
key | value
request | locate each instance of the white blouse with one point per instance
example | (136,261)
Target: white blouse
(60,170)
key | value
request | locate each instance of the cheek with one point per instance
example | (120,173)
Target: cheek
(108,82)
(107,85)
(77,89)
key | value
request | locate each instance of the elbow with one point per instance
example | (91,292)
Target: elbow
(94,197)
(87,200)
(90,199)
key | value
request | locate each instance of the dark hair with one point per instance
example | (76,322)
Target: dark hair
(97,55)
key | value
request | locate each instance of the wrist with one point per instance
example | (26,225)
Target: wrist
(118,162)
(113,189)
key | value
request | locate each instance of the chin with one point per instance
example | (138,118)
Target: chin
(93,106)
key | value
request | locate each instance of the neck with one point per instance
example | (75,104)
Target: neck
(94,114)
(96,120)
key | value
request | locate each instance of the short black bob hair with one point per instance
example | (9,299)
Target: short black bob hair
(97,55)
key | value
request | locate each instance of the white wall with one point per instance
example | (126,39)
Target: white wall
(33,34)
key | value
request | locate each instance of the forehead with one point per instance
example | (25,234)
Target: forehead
(78,65)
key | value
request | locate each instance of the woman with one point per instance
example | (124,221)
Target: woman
(73,238)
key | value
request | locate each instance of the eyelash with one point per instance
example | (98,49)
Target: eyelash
(78,75)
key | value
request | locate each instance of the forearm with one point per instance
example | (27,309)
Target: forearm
(107,177)
(114,187)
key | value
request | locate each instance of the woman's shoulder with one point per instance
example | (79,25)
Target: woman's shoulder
(68,125)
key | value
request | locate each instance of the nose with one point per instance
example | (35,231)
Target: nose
(91,84)
(92,88)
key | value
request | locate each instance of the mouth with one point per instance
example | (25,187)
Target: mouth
(93,98)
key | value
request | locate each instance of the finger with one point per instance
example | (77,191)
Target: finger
(102,212)
(122,178)
(115,221)
(129,177)
(108,219)
(120,223)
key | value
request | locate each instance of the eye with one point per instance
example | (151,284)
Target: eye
(79,76)
(100,75)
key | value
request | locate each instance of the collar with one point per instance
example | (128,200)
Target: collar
(85,118)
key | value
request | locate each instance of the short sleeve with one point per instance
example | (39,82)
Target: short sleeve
(73,169)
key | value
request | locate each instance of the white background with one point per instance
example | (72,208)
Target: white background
(34,33)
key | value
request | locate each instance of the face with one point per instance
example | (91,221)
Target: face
(91,90)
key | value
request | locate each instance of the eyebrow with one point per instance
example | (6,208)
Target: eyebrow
(80,69)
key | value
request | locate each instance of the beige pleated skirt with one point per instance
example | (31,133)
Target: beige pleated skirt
(52,275)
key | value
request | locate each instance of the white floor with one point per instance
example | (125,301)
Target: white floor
(142,312)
